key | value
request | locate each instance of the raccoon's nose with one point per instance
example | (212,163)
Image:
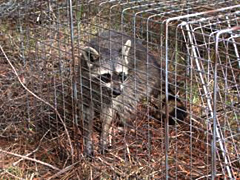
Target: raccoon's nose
(116,92)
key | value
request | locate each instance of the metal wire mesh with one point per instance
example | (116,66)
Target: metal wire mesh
(185,51)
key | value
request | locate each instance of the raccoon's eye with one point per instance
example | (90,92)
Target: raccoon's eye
(105,77)
(122,76)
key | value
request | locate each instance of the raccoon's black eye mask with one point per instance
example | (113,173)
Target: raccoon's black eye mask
(122,76)
(105,77)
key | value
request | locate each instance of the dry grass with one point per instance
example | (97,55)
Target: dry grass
(129,157)
(34,143)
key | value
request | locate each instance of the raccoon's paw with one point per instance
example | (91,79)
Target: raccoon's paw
(88,151)
(103,150)
(104,147)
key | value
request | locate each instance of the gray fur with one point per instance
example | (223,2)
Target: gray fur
(109,53)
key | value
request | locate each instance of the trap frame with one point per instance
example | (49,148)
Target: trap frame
(196,44)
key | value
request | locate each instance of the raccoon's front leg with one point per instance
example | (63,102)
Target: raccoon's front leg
(106,118)
(88,115)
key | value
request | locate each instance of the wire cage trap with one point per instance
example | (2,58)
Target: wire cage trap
(161,77)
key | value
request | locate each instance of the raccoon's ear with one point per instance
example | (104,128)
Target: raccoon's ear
(126,48)
(90,55)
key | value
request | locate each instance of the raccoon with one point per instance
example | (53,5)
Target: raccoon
(117,73)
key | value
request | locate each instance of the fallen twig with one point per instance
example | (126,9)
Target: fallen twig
(35,150)
(30,159)
(40,99)
(206,176)
(9,173)
(63,170)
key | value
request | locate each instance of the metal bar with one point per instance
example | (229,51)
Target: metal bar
(166,107)
(74,83)
(216,133)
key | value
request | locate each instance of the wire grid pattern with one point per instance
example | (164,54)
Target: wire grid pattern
(221,97)
(196,44)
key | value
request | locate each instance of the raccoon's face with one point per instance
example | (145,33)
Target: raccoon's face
(110,68)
